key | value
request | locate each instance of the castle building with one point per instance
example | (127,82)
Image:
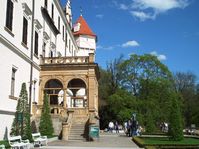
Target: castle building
(41,47)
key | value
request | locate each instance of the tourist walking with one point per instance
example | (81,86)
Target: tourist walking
(111,126)
(116,127)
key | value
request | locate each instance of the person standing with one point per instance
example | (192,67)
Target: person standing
(111,126)
(116,127)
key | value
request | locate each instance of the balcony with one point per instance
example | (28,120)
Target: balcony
(68,60)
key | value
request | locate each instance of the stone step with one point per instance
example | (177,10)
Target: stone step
(76,138)
(77,128)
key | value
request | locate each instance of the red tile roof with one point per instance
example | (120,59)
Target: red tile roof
(84,28)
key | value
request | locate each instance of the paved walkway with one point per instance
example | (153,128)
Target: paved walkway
(106,141)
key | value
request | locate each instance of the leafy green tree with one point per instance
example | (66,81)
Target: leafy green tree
(175,121)
(46,126)
(185,84)
(122,105)
(150,123)
(22,127)
(141,67)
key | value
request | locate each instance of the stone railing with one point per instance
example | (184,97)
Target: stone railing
(67,60)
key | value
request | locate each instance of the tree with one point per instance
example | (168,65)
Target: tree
(46,126)
(141,67)
(175,121)
(122,104)
(21,125)
(185,84)
(114,70)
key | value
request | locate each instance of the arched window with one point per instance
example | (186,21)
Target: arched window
(53,88)
(76,92)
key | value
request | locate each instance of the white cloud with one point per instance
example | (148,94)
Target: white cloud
(100,16)
(159,5)
(150,9)
(131,43)
(123,7)
(127,44)
(105,47)
(160,57)
(142,15)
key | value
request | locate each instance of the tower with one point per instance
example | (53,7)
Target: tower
(69,12)
(85,38)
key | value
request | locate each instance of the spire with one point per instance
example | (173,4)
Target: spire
(82,28)
(81,11)
(69,12)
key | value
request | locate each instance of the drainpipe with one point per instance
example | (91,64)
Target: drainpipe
(31,54)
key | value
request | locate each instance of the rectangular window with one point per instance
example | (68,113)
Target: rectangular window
(44,49)
(69,46)
(66,39)
(25,31)
(52,12)
(58,23)
(13,82)
(9,14)
(63,32)
(36,44)
(46,4)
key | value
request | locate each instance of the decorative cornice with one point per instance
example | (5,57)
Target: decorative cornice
(26,10)
(46,36)
(37,24)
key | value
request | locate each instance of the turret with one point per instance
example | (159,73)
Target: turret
(84,36)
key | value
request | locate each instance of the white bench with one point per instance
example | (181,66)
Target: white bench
(2,146)
(39,140)
(16,142)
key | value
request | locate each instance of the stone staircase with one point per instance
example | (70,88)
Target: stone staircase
(77,132)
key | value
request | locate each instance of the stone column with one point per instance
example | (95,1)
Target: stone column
(65,131)
(64,102)
(91,91)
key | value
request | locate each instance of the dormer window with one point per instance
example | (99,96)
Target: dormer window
(77,27)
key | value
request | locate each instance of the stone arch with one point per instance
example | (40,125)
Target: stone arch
(53,87)
(46,79)
(76,93)
(81,78)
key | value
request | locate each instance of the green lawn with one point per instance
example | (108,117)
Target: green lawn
(164,142)
(160,141)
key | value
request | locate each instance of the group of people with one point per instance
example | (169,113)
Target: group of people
(112,126)
(131,127)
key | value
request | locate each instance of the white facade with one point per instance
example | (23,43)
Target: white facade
(15,55)
(86,44)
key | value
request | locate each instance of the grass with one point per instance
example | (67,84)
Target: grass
(5,143)
(165,142)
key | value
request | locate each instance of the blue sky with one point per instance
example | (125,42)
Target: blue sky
(168,29)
